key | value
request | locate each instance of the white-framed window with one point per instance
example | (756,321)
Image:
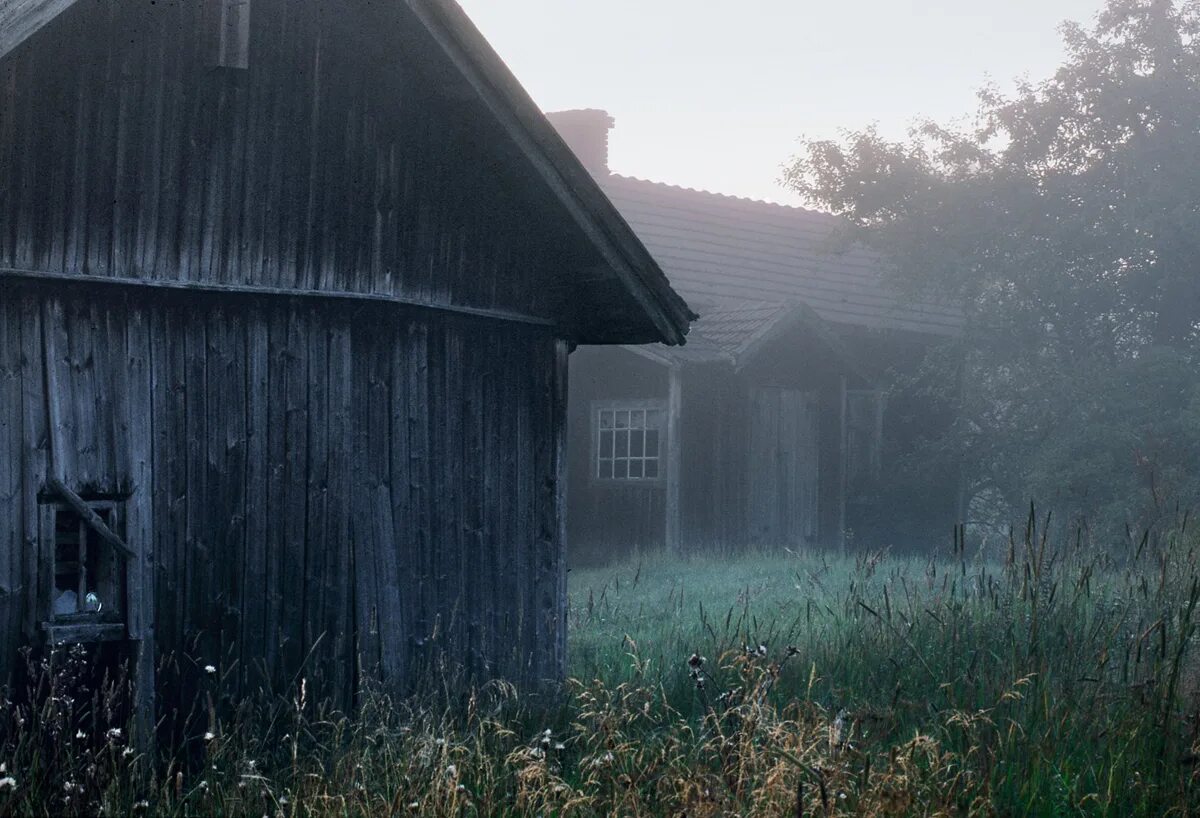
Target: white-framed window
(628,441)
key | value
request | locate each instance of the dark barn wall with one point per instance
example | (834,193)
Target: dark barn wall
(607,521)
(322,492)
(331,163)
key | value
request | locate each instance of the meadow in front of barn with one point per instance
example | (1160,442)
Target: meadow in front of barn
(1031,677)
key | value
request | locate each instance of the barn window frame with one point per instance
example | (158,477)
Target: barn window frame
(623,434)
(73,549)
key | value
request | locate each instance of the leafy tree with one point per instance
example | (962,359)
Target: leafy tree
(1066,222)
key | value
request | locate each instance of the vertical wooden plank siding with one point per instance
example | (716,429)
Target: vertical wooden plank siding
(320,495)
(314,169)
(674,460)
(11,547)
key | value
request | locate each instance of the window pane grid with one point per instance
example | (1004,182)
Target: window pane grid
(627,443)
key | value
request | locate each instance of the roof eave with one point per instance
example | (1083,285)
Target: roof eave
(558,167)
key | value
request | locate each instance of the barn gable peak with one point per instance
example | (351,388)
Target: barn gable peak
(620,297)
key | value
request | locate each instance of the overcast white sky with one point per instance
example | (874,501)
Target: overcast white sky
(714,93)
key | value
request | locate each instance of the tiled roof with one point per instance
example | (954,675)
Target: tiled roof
(738,332)
(728,331)
(717,248)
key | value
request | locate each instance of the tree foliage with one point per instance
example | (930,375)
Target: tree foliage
(1066,221)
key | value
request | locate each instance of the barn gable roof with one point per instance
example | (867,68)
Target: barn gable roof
(631,282)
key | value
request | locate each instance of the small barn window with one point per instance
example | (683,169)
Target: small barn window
(88,574)
(627,440)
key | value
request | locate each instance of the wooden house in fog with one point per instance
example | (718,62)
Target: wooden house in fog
(774,425)
(287,292)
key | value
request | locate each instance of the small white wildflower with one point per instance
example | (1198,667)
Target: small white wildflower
(142,805)
(452,771)
(209,669)
(127,752)
(113,733)
(209,736)
(558,745)
(538,752)
(461,788)
(8,782)
(414,804)
(80,734)
(283,801)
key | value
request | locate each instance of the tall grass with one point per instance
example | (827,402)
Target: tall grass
(1036,678)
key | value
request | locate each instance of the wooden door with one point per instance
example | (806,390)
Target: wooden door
(783,466)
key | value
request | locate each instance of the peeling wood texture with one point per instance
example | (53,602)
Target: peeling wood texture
(285,509)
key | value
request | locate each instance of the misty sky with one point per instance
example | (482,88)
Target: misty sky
(713,94)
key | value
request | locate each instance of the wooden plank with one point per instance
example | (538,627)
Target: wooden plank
(400,302)
(230,34)
(276,544)
(452,553)
(559,431)
(11,486)
(254,568)
(34,465)
(84,633)
(400,478)
(316,564)
(363,520)
(673,457)
(388,600)
(292,516)
(418,483)
(339,570)
(140,617)
(169,407)
(61,444)
(196,563)
(84,402)
(93,520)
(226,424)
(475,545)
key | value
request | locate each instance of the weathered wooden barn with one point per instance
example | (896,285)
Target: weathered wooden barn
(775,425)
(287,292)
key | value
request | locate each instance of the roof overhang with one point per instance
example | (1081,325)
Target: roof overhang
(557,166)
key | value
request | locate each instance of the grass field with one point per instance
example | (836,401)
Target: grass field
(1036,680)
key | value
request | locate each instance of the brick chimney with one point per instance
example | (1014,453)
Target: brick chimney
(586,132)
